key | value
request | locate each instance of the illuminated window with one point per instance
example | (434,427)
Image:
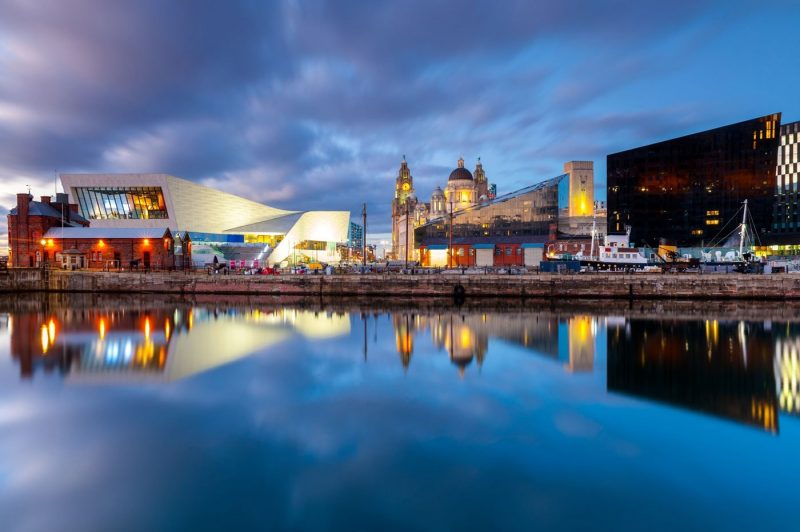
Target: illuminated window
(111,203)
(714,221)
(712,213)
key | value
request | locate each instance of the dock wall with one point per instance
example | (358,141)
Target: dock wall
(562,286)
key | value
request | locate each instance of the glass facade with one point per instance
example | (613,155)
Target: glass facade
(121,203)
(687,189)
(785,217)
(528,215)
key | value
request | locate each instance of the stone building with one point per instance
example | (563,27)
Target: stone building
(464,189)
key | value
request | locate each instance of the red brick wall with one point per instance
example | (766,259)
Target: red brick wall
(98,253)
(25,233)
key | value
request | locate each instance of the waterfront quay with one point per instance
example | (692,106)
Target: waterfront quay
(528,285)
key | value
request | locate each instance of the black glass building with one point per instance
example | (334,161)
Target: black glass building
(684,191)
(786,214)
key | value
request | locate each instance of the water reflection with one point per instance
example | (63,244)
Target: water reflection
(465,336)
(154,344)
(740,370)
(724,368)
(745,371)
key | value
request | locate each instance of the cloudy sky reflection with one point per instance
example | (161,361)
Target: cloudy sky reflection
(306,433)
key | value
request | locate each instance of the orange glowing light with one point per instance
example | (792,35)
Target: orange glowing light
(102,328)
(147,328)
(45,340)
(51,330)
(101,244)
(166,329)
(146,241)
(49,242)
(43,241)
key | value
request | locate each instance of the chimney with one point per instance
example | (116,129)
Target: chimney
(23,201)
(62,204)
(46,200)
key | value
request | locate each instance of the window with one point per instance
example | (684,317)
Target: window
(460,252)
(112,203)
(508,252)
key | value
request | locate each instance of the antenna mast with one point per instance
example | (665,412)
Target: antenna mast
(743,229)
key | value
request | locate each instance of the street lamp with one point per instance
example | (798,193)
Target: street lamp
(450,245)
(408,208)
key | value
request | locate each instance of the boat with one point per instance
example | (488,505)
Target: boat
(616,253)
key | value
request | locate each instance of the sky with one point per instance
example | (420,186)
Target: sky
(312,104)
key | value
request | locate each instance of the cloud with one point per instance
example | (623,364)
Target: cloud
(312,104)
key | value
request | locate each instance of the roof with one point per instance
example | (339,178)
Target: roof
(553,181)
(460,173)
(278,224)
(37,208)
(106,232)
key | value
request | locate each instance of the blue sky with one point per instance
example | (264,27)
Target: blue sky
(311,104)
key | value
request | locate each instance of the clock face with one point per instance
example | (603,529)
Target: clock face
(406,186)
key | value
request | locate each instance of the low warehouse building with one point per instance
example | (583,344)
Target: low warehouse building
(112,248)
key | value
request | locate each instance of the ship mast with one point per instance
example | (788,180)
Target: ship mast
(594,237)
(743,229)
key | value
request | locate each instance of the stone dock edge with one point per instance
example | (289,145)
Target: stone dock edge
(542,286)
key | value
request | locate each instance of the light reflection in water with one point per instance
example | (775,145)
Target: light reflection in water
(739,370)
(106,346)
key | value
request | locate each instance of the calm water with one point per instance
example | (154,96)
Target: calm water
(171,416)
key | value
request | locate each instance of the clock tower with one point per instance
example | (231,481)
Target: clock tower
(403,205)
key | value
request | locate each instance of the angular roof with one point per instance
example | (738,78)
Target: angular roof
(106,232)
(553,181)
(278,224)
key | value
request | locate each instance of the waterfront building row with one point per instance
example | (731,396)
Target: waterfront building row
(218,224)
(509,230)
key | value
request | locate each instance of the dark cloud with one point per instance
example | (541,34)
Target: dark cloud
(311,104)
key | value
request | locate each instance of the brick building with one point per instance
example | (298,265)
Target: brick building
(30,220)
(113,248)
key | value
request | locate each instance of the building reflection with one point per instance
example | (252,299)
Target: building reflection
(787,367)
(723,368)
(154,344)
(465,337)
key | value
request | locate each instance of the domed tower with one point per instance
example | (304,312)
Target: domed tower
(403,204)
(437,203)
(460,190)
(481,183)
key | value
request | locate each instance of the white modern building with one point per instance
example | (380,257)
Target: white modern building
(219,223)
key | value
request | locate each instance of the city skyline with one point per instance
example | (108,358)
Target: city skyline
(323,98)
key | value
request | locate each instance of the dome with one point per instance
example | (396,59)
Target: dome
(437,193)
(460,172)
